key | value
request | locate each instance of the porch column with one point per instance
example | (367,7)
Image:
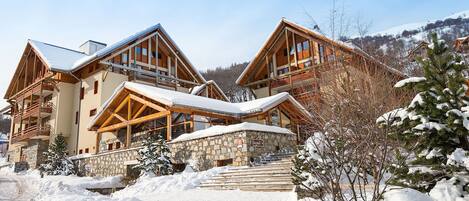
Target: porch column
(168,126)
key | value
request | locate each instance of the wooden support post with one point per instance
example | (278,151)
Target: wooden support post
(295,53)
(157,59)
(288,50)
(274,62)
(129,127)
(97,142)
(168,126)
(280,117)
(149,51)
(311,53)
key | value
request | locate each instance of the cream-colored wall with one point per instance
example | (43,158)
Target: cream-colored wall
(61,119)
(107,82)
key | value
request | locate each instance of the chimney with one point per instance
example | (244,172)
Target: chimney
(91,46)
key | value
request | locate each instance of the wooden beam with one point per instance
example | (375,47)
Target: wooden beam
(142,108)
(129,126)
(133,121)
(119,117)
(148,103)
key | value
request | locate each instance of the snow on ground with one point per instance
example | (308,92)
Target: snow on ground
(180,187)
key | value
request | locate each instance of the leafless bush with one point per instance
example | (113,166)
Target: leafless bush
(349,153)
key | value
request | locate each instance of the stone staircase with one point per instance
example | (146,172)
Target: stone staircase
(269,174)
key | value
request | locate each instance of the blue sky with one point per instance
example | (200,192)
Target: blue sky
(210,32)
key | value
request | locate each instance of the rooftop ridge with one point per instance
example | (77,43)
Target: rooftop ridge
(57,46)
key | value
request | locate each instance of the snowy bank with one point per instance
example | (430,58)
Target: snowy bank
(219,130)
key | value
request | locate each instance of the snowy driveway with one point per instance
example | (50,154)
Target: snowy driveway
(16,188)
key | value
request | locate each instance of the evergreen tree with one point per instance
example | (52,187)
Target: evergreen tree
(154,156)
(435,123)
(56,162)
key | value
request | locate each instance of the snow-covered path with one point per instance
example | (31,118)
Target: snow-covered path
(14,187)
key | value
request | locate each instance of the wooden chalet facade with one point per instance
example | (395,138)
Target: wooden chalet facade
(56,90)
(302,62)
(105,98)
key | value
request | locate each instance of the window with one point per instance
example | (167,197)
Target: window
(173,70)
(82,93)
(299,47)
(80,151)
(118,145)
(109,147)
(138,50)
(124,57)
(321,53)
(93,112)
(96,87)
(305,45)
(144,51)
(87,150)
(275,118)
(76,117)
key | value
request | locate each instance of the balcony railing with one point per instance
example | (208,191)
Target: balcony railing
(31,132)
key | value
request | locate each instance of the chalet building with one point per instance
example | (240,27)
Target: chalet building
(304,63)
(418,51)
(105,99)
(56,90)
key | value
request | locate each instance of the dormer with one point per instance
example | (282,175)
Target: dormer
(91,46)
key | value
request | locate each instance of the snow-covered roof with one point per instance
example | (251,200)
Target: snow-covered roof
(220,130)
(68,60)
(102,52)
(197,89)
(178,99)
(56,57)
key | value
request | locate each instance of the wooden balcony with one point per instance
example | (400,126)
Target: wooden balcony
(37,110)
(294,78)
(36,89)
(32,132)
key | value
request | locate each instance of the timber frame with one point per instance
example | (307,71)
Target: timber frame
(135,114)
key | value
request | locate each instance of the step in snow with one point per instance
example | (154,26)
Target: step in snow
(247,180)
(262,168)
(247,177)
(258,189)
(255,173)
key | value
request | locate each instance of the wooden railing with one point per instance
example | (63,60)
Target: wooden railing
(31,131)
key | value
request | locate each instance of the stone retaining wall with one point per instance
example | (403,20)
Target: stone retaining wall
(240,147)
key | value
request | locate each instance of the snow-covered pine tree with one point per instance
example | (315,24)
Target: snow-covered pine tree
(56,162)
(154,156)
(435,123)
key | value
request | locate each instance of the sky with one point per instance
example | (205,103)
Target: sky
(211,33)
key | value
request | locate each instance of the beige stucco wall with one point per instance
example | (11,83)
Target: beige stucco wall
(107,82)
(261,92)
